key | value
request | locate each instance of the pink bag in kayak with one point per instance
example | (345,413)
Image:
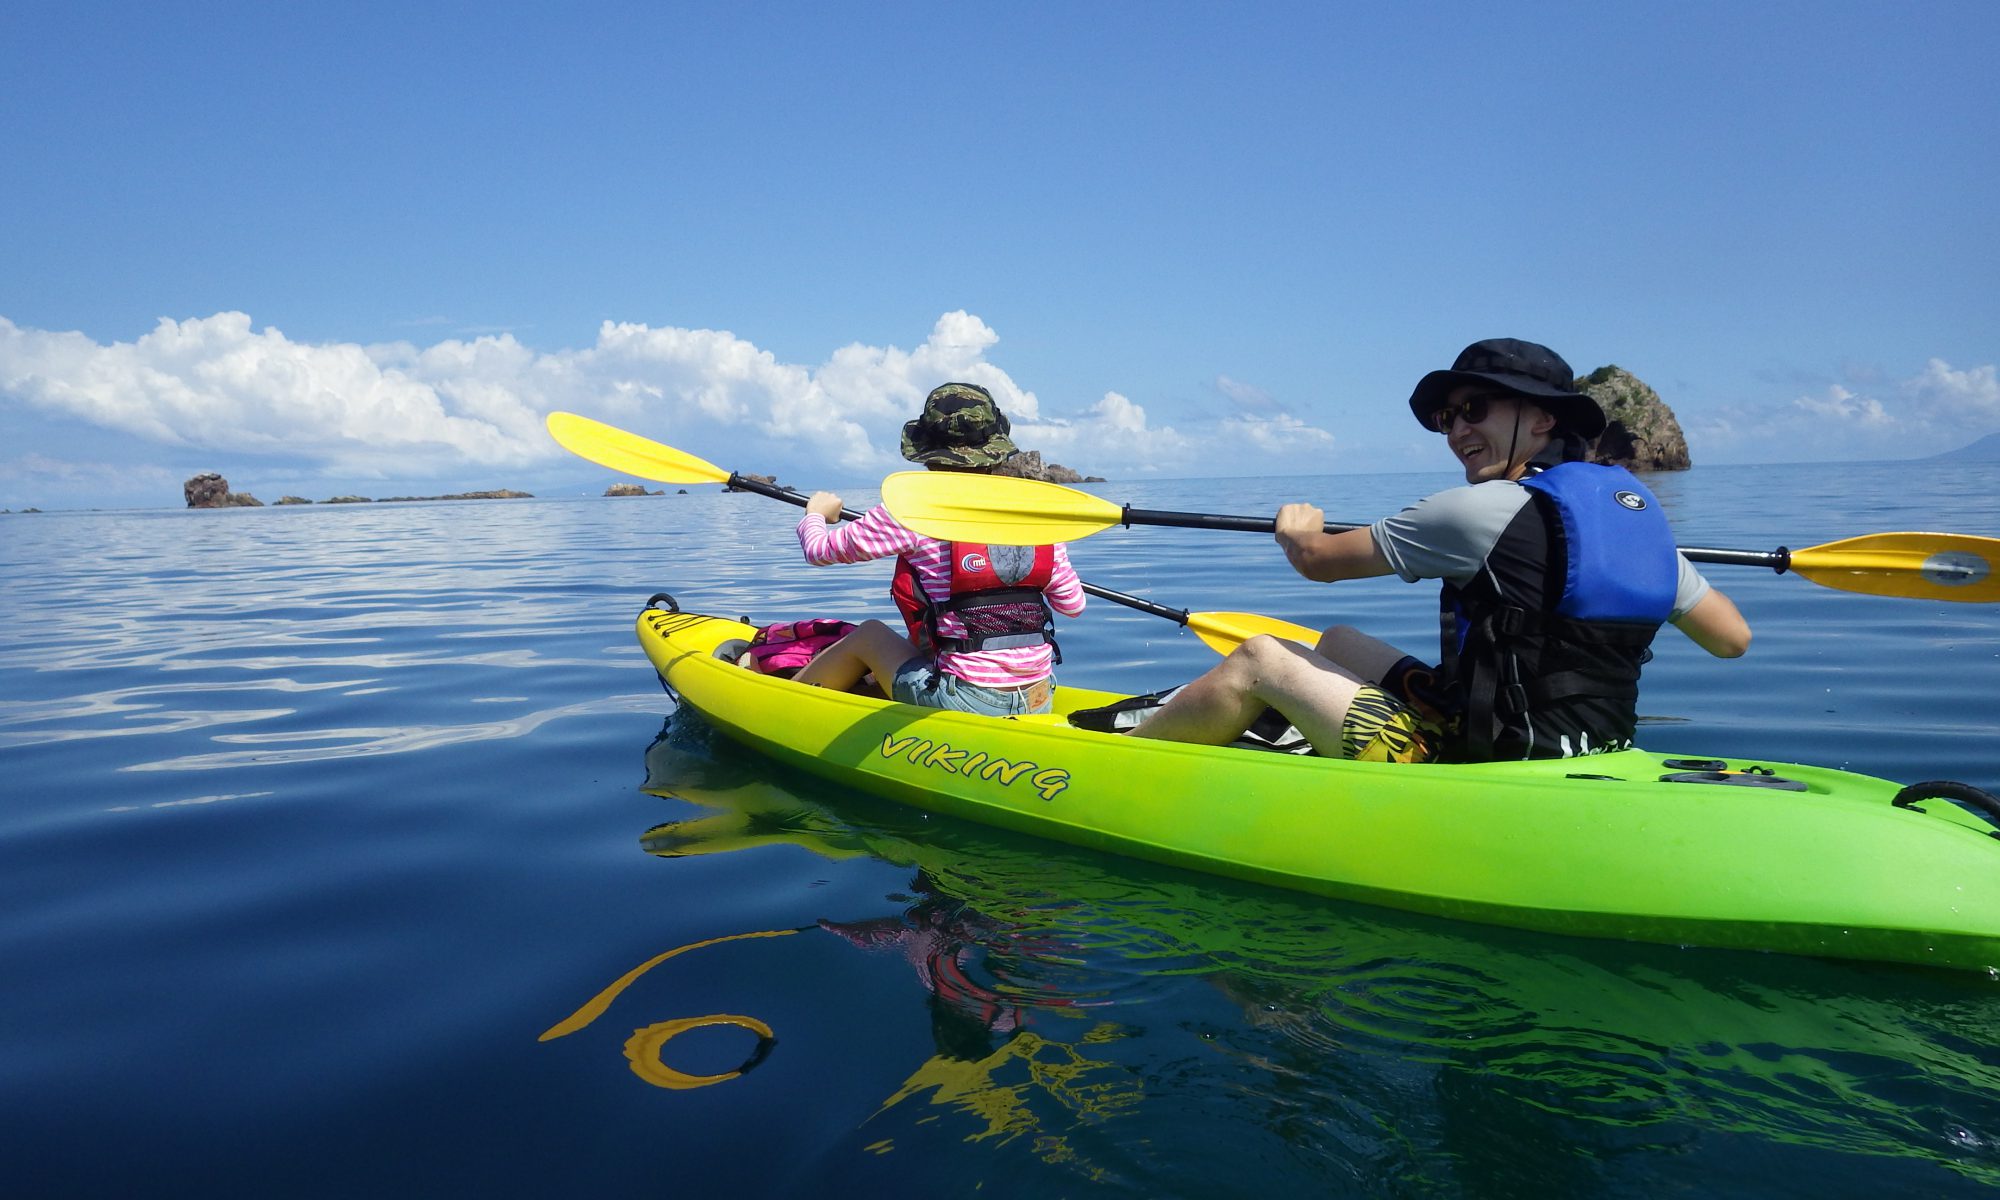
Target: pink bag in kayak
(783,648)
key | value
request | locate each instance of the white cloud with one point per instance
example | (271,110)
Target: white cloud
(1283,435)
(1112,437)
(401,410)
(217,383)
(1839,404)
(1245,395)
(214,382)
(1865,416)
(1946,395)
(1115,438)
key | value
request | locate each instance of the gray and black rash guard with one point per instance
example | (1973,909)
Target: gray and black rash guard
(1450,535)
(1542,686)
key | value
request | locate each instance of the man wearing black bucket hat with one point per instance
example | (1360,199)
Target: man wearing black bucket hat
(981,637)
(1556,575)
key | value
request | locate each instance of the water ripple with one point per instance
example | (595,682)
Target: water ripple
(426,853)
(365,742)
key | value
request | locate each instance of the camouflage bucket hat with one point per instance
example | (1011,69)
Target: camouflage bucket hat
(960,427)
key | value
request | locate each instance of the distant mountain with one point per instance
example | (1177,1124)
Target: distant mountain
(1986,449)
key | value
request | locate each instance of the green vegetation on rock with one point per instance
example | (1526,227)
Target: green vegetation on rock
(1641,433)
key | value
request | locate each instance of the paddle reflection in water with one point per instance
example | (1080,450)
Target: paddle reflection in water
(1129,1017)
(644,1048)
(988,981)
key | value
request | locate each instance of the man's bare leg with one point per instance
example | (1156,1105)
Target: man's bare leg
(1365,657)
(1310,692)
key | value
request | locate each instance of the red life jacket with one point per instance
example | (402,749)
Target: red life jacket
(1001,605)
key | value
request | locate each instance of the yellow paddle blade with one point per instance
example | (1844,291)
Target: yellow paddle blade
(1921,566)
(958,507)
(1227,630)
(610,446)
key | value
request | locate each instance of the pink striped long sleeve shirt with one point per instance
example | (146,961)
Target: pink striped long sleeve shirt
(879,535)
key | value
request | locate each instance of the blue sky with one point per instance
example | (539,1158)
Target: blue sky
(365,247)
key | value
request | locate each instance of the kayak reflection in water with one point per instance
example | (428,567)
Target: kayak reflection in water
(981,634)
(1556,572)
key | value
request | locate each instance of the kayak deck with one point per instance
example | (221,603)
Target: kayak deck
(1755,855)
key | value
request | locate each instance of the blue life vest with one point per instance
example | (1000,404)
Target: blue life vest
(1619,563)
(1543,647)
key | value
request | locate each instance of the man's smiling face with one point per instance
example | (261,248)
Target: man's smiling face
(1491,433)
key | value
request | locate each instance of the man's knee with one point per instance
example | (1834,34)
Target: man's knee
(1259,661)
(1336,636)
(1258,651)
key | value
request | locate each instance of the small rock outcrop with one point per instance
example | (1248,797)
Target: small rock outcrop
(629,489)
(1640,432)
(207,490)
(496,494)
(1027,465)
(211,490)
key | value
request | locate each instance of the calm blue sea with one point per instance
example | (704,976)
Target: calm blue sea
(321,827)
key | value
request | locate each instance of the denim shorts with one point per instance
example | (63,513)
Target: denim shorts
(917,682)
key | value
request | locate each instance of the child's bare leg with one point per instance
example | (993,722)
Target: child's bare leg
(872,647)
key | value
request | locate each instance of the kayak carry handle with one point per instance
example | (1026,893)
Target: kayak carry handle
(1964,795)
(672,605)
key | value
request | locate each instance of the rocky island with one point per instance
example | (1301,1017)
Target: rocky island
(1640,432)
(1027,464)
(211,490)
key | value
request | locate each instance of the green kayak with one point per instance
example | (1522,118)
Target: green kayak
(1671,848)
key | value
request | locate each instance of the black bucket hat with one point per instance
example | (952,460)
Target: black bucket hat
(960,427)
(1526,369)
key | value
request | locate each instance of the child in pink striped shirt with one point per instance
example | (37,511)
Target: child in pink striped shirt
(981,638)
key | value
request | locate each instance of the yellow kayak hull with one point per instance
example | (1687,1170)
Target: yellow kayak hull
(1601,846)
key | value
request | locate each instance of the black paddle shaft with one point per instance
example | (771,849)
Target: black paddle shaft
(1129,516)
(742,483)
(794,496)
(788,495)
(1778,560)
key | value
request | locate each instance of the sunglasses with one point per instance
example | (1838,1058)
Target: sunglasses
(1472,408)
